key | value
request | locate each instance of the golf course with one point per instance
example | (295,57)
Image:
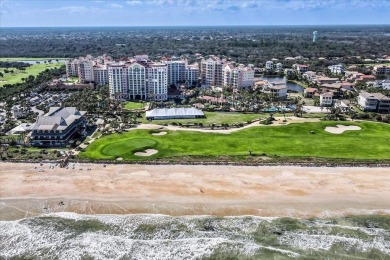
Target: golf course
(372,141)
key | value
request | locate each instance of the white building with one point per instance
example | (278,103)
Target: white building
(279,66)
(191,74)
(239,77)
(72,68)
(157,81)
(326,99)
(136,80)
(100,74)
(381,70)
(278,91)
(85,72)
(176,71)
(269,65)
(337,69)
(212,72)
(301,68)
(374,102)
(117,78)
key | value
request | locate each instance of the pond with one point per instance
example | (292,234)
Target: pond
(290,85)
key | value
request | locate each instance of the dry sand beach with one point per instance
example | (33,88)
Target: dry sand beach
(30,189)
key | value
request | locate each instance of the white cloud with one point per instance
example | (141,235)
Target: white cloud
(116,5)
(134,2)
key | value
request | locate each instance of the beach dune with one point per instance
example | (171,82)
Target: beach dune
(31,189)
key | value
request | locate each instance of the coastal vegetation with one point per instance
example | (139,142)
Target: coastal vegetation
(293,140)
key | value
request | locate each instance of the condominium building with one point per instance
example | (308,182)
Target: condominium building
(157,81)
(176,71)
(72,68)
(238,77)
(100,74)
(117,78)
(136,80)
(191,74)
(212,72)
(279,66)
(301,68)
(85,72)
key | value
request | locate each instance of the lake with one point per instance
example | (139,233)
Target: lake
(290,85)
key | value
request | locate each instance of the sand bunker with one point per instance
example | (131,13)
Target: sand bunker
(147,152)
(339,129)
(160,133)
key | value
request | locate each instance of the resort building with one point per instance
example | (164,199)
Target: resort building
(301,68)
(136,80)
(376,102)
(174,113)
(157,81)
(212,72)
(85,72)
(100,74)
(57,127)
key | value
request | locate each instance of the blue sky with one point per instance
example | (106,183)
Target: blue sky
(30,13)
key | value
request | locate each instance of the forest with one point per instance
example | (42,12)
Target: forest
(245,44)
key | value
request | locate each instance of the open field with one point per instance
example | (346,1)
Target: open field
(30,59)
(293,140)
(134,105)
(212,118)
(16,77)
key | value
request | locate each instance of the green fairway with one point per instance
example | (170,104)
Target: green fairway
(17,75)
(133,105)
(294,140)
(213,118)
(30,59)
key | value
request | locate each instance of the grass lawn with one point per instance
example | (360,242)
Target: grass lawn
(30,59)
(300,83)
(133,105)
(16,77)
(293,140)
(212,118)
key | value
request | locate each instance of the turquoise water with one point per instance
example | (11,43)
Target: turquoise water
(76,236)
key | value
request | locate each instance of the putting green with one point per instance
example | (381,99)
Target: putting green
(128,146)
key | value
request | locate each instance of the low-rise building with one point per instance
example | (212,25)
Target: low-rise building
(174,113)
(309,92)
(300,68)
(337,69)
(375,102)
(57,127)
(278,91)
(381,70)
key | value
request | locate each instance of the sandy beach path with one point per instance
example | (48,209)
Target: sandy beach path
(26,190)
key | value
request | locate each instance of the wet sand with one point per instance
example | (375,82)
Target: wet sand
(26,190)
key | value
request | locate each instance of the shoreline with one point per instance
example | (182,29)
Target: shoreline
(177,190)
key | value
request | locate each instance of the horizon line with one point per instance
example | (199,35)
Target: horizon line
(243,25)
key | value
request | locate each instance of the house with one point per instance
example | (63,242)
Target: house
(326,80)
(364,78)
(343,104)
(375,102)
(57,127)
(309,92)
(326,99)
(347,86)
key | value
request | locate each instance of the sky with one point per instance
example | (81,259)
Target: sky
(60,13)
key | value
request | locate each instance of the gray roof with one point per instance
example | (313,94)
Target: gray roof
(160,112)
(374,95)
(58,118)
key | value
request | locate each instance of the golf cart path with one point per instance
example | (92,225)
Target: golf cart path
(278,121)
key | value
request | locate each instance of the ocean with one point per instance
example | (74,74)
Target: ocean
(67,235)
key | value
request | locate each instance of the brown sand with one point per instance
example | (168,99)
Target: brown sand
(192,190)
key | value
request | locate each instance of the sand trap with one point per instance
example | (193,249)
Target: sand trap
(148,152)
(339,129)
(160,133)
(119,159)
